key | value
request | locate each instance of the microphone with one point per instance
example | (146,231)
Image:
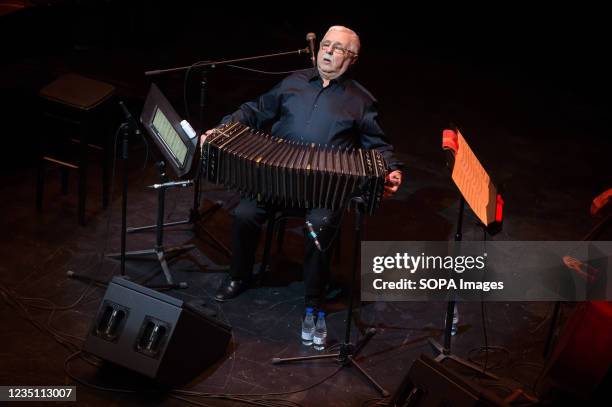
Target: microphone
(171,184)
(311,38)
(313,235)
(129,118)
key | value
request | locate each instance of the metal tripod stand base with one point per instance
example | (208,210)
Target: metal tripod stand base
(444,354)
(194,218)
(345,357)
(162,255)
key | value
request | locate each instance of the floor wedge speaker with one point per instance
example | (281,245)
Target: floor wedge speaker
(430,384)
(154,334)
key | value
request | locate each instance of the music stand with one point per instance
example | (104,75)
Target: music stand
(348,351)
(182,168)
(177,142)
(195,215)
(485,202)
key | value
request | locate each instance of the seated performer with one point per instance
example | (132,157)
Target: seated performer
(321,105)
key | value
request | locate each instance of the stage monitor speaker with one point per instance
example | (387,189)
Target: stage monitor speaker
(429,384)
(156,335)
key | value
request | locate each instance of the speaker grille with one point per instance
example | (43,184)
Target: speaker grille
(152,337)
(110,321)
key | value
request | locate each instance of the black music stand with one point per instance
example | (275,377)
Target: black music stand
(348,351)
(178,146)
(159,252)
(195,215)
(444,351)
(156,99)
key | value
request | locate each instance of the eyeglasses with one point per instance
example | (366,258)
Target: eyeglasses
(336,48)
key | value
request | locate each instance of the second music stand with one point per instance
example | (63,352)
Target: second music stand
(444,350)
(486,205)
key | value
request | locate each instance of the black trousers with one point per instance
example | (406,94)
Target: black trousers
(249,217)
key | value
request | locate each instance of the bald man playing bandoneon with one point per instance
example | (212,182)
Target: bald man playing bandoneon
(322,105)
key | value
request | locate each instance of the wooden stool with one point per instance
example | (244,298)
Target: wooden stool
(83,103)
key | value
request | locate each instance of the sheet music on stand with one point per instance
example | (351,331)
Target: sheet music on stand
(174,137)
(475,184)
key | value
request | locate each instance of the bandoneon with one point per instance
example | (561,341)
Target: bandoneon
(290,173)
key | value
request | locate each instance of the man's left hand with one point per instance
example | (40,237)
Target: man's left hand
(392,183)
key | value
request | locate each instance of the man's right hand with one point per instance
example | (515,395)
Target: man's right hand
(203,136)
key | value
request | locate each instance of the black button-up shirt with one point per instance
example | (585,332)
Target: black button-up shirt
(300,109)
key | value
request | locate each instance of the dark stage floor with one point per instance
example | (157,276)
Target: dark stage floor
(547,141)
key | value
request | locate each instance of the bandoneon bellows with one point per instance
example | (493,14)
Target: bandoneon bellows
(290,173)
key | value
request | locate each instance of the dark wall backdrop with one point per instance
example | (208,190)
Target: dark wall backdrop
(512,71)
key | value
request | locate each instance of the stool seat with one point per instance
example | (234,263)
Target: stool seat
(82,106)
(77,91)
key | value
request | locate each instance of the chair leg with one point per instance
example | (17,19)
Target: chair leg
(82,193)
(107,160)
(83,164)
(267,245)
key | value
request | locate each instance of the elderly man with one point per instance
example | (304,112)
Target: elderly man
(321,105)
